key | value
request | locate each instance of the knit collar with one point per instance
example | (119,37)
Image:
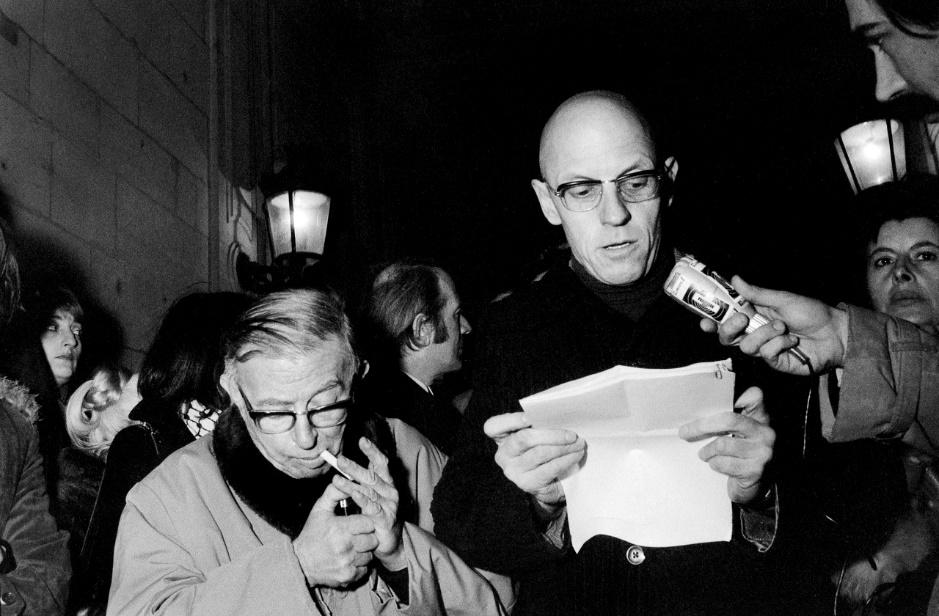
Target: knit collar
(630,300)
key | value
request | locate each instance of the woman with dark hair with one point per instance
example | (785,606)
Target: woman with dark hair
(180,403)
(34,564)
(897,227)
(41,351)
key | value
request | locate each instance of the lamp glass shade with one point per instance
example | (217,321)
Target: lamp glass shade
(302,230)
(872,153)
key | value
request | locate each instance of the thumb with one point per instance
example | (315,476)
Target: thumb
(329,499)
(758,296)
(751,405)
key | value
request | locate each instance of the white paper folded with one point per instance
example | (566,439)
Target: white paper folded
(640,482)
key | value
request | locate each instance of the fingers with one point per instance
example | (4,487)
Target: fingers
(750,404)
(757,295)
(378,462)
(537,478)
(330,498)
(708,326)
(751,423)
(730,330)
(501,426)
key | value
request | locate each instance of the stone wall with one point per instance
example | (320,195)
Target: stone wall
(107,156)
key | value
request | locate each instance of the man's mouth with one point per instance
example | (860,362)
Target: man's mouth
(903,298)
(618,246)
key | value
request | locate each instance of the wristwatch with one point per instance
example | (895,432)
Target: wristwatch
(8,563)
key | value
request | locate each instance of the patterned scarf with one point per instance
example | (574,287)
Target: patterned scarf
(200,420)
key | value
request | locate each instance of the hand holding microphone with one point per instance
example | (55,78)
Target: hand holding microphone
(706,293)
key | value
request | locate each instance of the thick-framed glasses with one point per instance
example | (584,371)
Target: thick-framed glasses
(321,418)
(585,195)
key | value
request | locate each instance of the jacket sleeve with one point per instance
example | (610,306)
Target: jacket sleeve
(440,582)
(154,573)
(131,457)
(39,583)
(890,383)
(488,520)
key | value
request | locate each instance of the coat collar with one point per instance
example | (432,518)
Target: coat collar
(282,501)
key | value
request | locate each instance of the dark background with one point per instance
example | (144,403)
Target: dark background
(427,114)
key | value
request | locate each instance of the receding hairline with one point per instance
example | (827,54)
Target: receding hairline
(577,103)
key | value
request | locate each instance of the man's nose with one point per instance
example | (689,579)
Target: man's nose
(465,326)
(890,83)
(304,435)
(69,339)
(613,210)
(902,271)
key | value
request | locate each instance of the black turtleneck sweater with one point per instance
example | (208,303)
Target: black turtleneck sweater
(634,299)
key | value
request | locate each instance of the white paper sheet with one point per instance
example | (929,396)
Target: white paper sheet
(640,482)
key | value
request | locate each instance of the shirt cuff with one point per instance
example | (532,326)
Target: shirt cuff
(759,520)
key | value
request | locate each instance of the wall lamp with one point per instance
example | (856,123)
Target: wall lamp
(296,207)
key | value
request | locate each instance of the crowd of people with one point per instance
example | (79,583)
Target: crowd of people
(287,453)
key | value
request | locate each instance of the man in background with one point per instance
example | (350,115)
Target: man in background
(415,328)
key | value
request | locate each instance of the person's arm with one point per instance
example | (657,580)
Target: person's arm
(817,329)
(890,384)
(484,516)
(740,445)
(36,568)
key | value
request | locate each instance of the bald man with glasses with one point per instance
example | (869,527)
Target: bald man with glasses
(500,503)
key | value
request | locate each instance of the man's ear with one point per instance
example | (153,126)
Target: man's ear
(671,170)
(226,382)
(422,330)
(548,208)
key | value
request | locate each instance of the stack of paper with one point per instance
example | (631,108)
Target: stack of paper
(640,482)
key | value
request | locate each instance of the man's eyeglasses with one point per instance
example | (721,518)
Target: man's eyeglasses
(321,418)
(585,195)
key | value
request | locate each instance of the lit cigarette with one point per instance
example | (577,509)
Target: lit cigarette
(333,462)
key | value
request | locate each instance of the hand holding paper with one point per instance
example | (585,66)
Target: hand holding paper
(638,480)
(534,459)
(743,447)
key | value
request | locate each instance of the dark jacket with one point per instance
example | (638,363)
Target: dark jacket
(392,393)
(135,451)
(548,333)
(38,583)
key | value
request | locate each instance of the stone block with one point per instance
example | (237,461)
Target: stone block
(44,248)
(125,15)
(137,158)
(25,156)
(173,121)
(82,194)
(166,237)
(192,201)
(28,15)
(58,97)
(95,50)
(176,50)
(14,60)
(194,12)
(106,279)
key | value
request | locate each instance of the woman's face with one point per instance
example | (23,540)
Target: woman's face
(903,271)
(62,344)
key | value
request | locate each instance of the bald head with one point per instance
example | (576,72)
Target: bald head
(586,117)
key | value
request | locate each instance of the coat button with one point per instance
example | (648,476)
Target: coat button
(635,555)
(7,598)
